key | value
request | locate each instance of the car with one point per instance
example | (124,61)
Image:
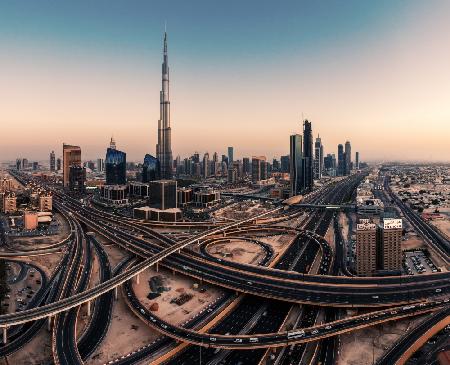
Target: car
(213,339)
(375,297)
(238,340)
(142,311)
(315,332)
(163,325)
(249,283)
(328,327)
(438,290)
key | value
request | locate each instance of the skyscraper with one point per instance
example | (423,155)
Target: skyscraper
(100,164)
(230,156)
(296,165)
(246,166)
(318,158)
(308,154)
(205,165)
(151,170)
(71,157)
(52,161)
(115,165)
(284,163)
(348,158)
(259,168)
(357,160)
(58,164)
(341,161)
(164,146)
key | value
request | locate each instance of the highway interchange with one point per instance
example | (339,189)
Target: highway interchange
(248,329)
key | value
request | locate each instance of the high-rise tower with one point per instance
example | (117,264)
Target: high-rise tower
(308,154)
(164,146)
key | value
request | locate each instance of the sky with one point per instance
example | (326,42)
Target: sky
(242,74)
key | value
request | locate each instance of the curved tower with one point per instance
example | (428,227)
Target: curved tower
(164,146)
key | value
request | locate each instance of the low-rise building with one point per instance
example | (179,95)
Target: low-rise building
(9,203)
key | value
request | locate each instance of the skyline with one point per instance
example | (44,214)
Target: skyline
(386,65)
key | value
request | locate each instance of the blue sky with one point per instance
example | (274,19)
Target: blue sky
(239,71)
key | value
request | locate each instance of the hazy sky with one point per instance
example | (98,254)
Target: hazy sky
(376,73)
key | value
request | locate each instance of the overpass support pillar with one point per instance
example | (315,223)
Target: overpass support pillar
(89,308)
(224,233)
(116,293)
(49,323)
(137,279)
(157,267)
(5,335)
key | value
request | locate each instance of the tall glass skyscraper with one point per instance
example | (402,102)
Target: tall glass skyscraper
(151,169)
(308,154)
(116,167)
(296,165)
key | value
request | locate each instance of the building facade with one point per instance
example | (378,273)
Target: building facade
(296,163)
(71,158)
(116,167)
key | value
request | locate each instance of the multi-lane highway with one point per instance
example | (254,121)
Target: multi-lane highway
(252,325)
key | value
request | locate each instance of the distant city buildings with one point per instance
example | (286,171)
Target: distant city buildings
(284,161)
(341,160)
(259,168)
(230,156)
(347,158)
(318,158)
(100,165)
(52,161)
(357,160)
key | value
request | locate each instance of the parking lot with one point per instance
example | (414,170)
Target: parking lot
(417,263)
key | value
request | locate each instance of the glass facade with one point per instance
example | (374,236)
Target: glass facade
(151,169)
(115,165)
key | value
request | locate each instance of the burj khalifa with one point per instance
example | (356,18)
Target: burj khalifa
(164,146)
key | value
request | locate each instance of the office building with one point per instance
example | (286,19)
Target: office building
(25,164)
(357,160)
(296,163)
(163,194)
(230,156)
(259,168)
(185,196)
(58,164)
(115,195)
(115,166)
(308,155)
(138,189)
(164,146)
(9,203)
(205,165)
(206,197)
(284,160)
(348,158)
(151,169)
(100,165)
(389,244)
(246,167)
(366,248)
(45,202)
(341,161)
(52,161)
(71,158)
(318,158)
(77,178)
